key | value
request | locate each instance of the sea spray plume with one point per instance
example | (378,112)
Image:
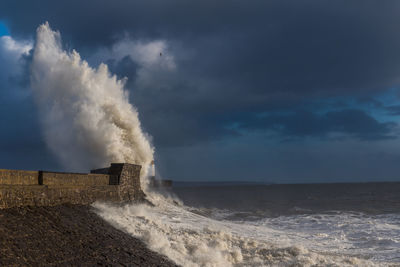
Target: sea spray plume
(87,119)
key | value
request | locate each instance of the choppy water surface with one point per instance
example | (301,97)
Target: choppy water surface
(277,225)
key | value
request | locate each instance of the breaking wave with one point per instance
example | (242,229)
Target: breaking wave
(86,116)
(191,239)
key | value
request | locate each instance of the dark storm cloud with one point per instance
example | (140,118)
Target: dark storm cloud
(350,122)
(393,110)
(125,67)
(21,142)
(253,57)
(299,47)
(236,60)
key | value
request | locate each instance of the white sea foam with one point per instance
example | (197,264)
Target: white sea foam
(374,236)
(190,239)
(87,118)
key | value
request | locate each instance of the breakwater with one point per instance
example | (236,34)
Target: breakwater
(118,183)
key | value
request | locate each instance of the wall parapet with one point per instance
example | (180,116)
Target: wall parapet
(18,177)
(118,183)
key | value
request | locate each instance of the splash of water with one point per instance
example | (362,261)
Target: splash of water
(190,239)
(87,119)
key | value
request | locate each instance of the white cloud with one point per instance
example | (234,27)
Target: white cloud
(152,54)
(154,60)
(13,47)
(11,52)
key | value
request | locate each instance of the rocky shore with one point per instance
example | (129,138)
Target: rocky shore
(68,235)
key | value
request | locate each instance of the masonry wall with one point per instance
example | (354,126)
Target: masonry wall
(118,183)
(74,179)
(16,177)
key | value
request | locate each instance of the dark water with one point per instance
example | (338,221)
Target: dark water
(353,219)
(291,199)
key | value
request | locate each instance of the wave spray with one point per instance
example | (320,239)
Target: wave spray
(87,119)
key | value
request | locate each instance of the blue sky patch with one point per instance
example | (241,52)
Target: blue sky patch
(3,29)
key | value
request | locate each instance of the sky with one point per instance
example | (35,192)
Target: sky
(270,91)
(3,29)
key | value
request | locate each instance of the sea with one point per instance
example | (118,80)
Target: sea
(244,224)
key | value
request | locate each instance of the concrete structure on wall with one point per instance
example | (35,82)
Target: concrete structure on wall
(118,183)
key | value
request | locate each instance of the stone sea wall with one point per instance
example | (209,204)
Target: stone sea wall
(16,177)
(118,183)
